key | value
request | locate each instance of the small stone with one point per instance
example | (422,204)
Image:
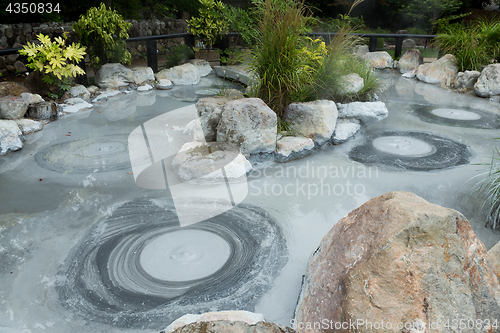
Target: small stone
(146,87)
(29,126)
(79,91)
(378,60)
(73,105)
(410,60)
(351,84)
(290,148)
(32,98)
(11,59)
(367,112)
(163,84)
(345,129)
(43,111)
(93,89)
(142,75)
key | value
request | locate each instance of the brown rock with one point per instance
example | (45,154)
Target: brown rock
(399,259)
(410,60)
(233,327)
(43,111)
(12,89)
(494,259)
(19,66)
(442,71)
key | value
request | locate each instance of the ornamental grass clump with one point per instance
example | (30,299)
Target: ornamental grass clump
(295,68)
(474,45)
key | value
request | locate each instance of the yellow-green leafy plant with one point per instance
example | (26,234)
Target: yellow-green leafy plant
(210,22)
(104,32)
(55,61)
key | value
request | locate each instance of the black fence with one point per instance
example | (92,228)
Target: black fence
(189,40)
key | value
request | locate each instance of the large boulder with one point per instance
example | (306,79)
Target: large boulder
(28,126)
(12,89)
(10,137)
(250,123)
(442,71)
(494,259)
(466,80)
(181,75)
(488,83)
(43,111)
(378,60)
(315,120)
(290,148)
(12,107)
(32,98)
(142,75)
(79,91)
(399,260)
(204,163)
(360,50)
(367,112)
(209,110)
(113,76)
(410,60)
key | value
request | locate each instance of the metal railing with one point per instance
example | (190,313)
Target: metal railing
(152,50)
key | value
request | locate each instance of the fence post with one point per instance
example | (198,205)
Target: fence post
(399,47)
(189,41)
(373,44)
(152,55)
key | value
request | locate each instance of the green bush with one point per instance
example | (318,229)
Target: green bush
(55,61)
(488,189)
(104,32)
(474,45)
(241,21)
(210,22)
(178,54)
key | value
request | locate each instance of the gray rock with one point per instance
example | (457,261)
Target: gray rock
(410,74)
(442,71)
(43,111)
(10,137)
(79,91)
(351,84)
(76,104)
(19,67)
(345,129)
(367,112)
(209,111)
(400,259)
(2,62)
(378,60)
(360,50)
(238,73)
(409,44)
(93,89)
(250,123)
(182,75)
(203,66)
(12,107)
(410,60)
(204,163)
(32,98)
(290,148)
(494,259)
(466,80)
(11,59)
(113,76)
(143,75)
(29,126)
(488,83)
(146,87)
(315,120)
(163,84)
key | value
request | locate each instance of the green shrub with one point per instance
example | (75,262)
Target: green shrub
(210,22)
(474,45)
(104,32)
(178,54)
(336,24)
(55,61)
(242,21)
